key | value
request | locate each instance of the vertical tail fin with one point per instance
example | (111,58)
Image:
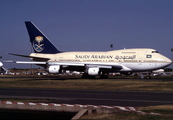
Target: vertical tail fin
(39,41)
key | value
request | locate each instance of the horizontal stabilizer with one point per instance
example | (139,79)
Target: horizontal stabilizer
(25,62)
(34,58)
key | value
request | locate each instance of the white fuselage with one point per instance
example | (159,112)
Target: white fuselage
(129,59)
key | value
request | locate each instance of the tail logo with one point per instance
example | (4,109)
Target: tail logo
(37,44)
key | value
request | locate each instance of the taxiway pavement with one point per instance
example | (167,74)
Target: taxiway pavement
(92,97)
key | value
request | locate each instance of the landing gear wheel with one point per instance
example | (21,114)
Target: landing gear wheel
(88,76)
(148,77)
(104,76)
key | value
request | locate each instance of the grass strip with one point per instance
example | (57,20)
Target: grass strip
(165,110)
(115,84)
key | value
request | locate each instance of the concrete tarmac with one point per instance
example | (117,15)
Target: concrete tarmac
(91,97)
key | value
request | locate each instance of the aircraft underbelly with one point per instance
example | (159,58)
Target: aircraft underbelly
(144,66)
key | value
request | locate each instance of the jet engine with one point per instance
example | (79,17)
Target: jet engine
(54,69)
(93,71)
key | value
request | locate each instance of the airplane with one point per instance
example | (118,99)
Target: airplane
(4,70)
(124,61)
(1,65)
(159,72)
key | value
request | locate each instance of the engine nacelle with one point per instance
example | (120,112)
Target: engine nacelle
(54,69)
(93,71)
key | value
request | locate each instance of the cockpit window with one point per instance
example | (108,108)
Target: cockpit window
(155,52)
(148,56)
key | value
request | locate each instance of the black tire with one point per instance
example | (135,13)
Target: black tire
(148,77)
(103,76)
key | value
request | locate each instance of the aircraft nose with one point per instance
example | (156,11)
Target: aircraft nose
(168,61)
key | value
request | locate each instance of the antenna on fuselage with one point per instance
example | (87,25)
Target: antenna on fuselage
(111,46)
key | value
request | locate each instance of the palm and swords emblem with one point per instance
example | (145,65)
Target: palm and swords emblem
(37,44)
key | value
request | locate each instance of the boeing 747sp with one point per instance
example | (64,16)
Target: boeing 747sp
(90,63)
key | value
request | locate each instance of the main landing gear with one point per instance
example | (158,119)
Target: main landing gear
(147,76)
(88,76)
(103,76)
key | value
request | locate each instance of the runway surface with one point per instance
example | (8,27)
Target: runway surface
(90,97)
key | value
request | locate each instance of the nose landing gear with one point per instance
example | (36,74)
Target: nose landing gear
(147,76)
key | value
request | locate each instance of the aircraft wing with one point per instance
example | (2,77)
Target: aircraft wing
(86,65)
(67,64)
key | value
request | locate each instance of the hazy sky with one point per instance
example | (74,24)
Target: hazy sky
(87,25)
